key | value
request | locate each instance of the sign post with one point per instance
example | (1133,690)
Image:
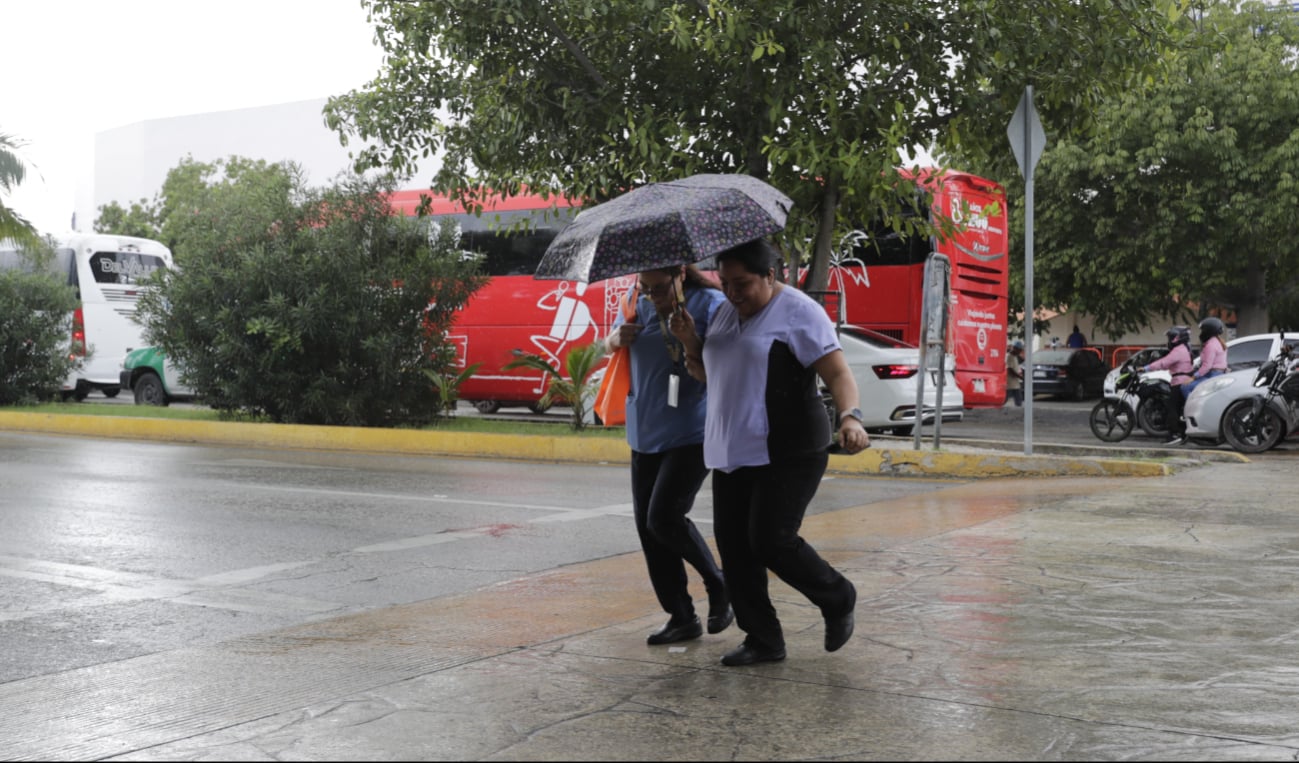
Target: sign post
(933,338)
(1027,141)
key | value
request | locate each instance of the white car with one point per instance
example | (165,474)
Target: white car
(887,372)
(1209,400)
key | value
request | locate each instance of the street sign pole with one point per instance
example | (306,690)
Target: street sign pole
(1027,139)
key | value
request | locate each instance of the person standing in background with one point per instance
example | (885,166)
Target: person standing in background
(1015,373)
(1076,339)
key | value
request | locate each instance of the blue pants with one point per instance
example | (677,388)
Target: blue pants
(1190,386)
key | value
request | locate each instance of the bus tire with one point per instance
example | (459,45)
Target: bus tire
(81,392)
(111,392)
(149,391)
(486,406)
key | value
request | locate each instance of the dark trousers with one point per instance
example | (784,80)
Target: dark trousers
(663,489)
(758,511)
(1173,411)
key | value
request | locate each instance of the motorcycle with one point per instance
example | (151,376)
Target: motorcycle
(1260,420)
(1138,400)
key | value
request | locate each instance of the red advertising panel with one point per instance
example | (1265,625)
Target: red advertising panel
(880,281)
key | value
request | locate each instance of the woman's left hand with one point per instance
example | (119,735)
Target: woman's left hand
(852,436)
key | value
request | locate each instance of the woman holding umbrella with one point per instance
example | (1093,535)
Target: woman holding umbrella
(765,438)
(665,429)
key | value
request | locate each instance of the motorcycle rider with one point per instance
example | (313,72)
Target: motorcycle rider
(1178,363)
(1213,354)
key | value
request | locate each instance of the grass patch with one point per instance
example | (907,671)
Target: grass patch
(553,427)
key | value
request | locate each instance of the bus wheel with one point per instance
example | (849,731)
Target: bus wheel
(538,407)
(111,391)
(81,392)
(149,391)
(486,406)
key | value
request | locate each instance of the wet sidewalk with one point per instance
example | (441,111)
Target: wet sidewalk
(1004,619)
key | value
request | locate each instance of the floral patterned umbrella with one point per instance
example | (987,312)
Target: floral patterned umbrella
(662,224)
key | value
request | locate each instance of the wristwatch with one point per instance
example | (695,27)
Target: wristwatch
(853,412)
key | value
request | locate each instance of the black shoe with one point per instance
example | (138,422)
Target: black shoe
(1177,439)
(672,633)
(745,654)
(720,621)
(838,629)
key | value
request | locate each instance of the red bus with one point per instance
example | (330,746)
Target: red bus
(879,281)
(515,314)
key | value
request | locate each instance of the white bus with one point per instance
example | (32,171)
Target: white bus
(107,272)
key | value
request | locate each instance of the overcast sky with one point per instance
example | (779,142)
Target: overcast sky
(73,68)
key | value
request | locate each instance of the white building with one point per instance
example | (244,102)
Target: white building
(132,162)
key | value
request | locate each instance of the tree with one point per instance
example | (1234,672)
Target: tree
(13,170)
(310,306)
(589,98)
(34,330)
(1182,200)
(141,220)
(575,387)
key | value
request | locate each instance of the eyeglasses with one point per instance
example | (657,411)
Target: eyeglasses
(655,291)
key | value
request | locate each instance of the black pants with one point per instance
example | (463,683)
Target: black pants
(758,511)
(1173,412)
(663,487)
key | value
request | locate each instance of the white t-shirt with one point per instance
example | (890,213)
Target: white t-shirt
(764,401)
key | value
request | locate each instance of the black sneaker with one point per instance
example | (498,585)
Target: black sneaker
(1177,439)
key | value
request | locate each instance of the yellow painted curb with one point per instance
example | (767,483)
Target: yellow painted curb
(883,461)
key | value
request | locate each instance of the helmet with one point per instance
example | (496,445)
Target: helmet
(1018,344)
(1178,335)
(1210,327)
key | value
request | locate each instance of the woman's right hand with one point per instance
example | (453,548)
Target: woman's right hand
(625,335)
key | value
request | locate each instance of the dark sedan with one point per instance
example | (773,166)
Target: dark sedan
(1070,374)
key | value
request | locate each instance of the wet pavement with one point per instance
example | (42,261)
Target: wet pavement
(1033,617)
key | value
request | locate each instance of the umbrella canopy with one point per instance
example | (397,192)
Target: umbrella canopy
(663,224)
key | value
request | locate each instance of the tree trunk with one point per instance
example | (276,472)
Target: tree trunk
(1252,311)
(819,269)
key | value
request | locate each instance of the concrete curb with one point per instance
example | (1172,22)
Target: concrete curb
(885,458)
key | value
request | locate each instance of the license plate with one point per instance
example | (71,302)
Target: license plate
(979,386)
(1039,374)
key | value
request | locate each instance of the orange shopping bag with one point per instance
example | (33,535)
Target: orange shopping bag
(611,400)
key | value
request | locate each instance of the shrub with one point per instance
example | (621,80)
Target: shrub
(34,324)
(309,306)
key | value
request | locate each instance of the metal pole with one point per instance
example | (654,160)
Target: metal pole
(1028,288)
(924,344)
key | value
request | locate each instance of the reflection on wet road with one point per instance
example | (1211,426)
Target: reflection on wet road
(1102,619)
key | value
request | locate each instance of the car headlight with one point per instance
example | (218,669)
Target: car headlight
(1213,385)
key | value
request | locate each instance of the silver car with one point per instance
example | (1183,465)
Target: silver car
(1210,399)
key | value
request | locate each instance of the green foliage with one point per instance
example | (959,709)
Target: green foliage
(1182,200)
(446,382)
(13,170)
(34,310)
(142,219)
(310,306)
(591,97)
(574,388)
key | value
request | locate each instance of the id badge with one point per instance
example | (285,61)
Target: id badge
(674,388)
